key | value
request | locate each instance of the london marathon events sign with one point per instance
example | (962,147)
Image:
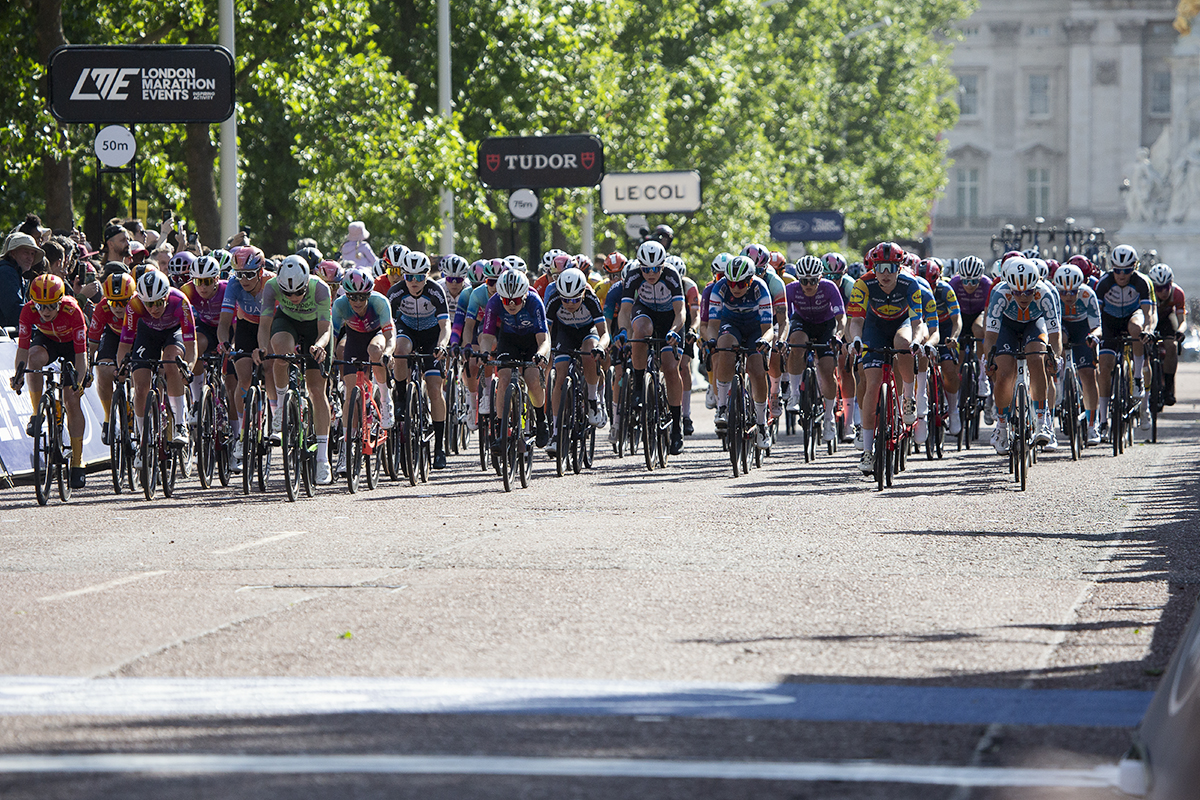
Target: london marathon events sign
(141,83)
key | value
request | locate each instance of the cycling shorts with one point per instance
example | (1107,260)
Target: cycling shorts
(516,347)
(210,334)
(946,353)
(1015,336)
(879,333)
(1111,331)
(245,337)
(663,320)
(54,348)
(423,342)
(150,343)
(819,335)
(1076,338)
(109,342)
(746,332)
(355,348)
(304,333)
(568,338)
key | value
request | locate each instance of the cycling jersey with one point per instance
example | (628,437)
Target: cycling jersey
(242,303)
(313,305)
(947,303)
(584,316)
(206,311)
(752,307)
(928,305)
(691,298)
(460,316)
(1083,307)
(612,303)
(377,318)
(530,320)
(1003,307)
(659,296)
(541,284)
(823,306)
(69,325)
(845,285)
(868,299)
(476,305)
(419,312)
(971,302)
(777,288)
(1123,301)
(177,314)
(1175,302)
(105,318)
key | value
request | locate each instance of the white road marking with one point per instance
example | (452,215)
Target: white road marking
(100,587)
(257,542)
(859,772)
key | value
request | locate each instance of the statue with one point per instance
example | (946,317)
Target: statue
(1185,183)
(1144,200)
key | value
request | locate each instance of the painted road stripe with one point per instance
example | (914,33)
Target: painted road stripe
(100,587)
(239,697)
(856,771)
(257,542)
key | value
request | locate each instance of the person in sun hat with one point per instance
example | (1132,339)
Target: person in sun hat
(19,257)
(356,248)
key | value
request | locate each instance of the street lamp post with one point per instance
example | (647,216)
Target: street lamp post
(447,209)
(228,152)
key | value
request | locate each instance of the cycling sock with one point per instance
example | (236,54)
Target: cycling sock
(1090,415)
(760,413)
(857,413)
(922,393)
(472,403)
(868,439)
(794,380)
(485,403)
(178,408)
(76,451)
(1103,410)
(593,390)
(639,380)
(439,432)
(539,414)
(952,401)
(35,397)
(235,424)
(1002,416)
(107,407)
(1169,382)
(197,387)
(676,413)
(1138,363)
(323,449)
(908,390)
(723,393)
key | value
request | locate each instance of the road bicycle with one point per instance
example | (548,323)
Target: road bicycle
(652,408)
(297,430)
(938,417)
(809,418)
(1072,416)
(627,421)
(414,435)
(1156,388)
(120,431)
(162,460)
(51,454)
(214,431)
(892,434)
(970,402)
(335,393)
(1123,410)
(366,440)
(576,435)
(256,432)
(1023,424)
(516,434)
(458,435)
(741,429)
(485,395)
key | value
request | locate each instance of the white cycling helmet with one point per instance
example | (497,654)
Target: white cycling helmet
(517,263)
(651,254)
(741,268)
(547,262)
(1161,275)
(1042,267)
(205,267)
(416,263)
(512,284)
(393,258)
(809,267)
(720,264)
(1068,278)
(1021,274)
(153,286)
(293,274)
(1123,256)
(379,269)
(676,263)
(454,266)
(971,268)
(571,283)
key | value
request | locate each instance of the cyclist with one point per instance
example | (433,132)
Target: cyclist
(1172,324)
(224,260)
(159,325)
(206,292)
(617,356)
(243,300)
(104,336)
(454,279)
(1081,326)
(296,317)
(720,264)
(389,270)
(472,324)
(816,315)
(51,327)
(836,270)
(691,323)
(613,264)
(950,327)
(1021,316)
(422,326)
(576,322)
(1126,306)
(514,329)
(362,325)
(885,310)
(761,257)
(652,306)
(550,266)
(972,288)
(927,335)
(179,268)
(740,315)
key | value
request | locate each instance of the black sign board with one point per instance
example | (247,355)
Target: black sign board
(141,83)
(541,162)
(807,226)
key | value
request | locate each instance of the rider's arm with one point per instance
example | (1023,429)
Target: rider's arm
(266,318)
(680,317)
(543,342)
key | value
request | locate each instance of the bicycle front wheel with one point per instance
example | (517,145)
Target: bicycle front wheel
(118,450)
(249,439)
(510,434)
(43,470)
(354,441)
(151,436)
(883,461)
(206,439)
(289,438)
(564,425)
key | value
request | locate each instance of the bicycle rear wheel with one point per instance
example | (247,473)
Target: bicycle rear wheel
(249,439)
(649,422)
(289,443)
(373,461)
(62,461)
(308,449)
(169,463)
(734,423)
(206,435)
(151,436)
(354,441)
(118,449)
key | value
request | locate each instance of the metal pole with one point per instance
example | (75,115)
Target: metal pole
(535,235)
(229,169)
(589,245)
(444,108)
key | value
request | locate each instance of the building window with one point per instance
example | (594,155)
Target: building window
(1039,30)
(971,33)
(1037,187)
(1039,95)
(966,187)
(1160,93)
(968,95)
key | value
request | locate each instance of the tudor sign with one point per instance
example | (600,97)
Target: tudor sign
(541,162)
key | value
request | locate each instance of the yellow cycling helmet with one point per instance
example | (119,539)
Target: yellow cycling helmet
(120,287)
(46,290)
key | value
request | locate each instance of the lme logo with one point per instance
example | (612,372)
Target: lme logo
(110,84)
(555,161)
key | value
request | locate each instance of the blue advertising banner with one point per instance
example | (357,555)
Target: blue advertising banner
(16,448)
(807,226)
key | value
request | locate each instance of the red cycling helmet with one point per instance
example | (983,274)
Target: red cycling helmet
(1011,254)
(885,253)
(910,262)
(1053,267)
(930,269)
(1085,265)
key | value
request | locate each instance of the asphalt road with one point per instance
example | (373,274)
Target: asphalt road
(881,612)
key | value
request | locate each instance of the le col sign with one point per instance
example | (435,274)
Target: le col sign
(650,192)
(541,162)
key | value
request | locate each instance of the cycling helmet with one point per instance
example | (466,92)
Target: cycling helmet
(885,253)
(758,255)
(416,263)
(1068,278)
(740,269)
(180,264)
(454,266)
(614,262)
(1021,274)
(776,260)
(475,273)
(651,254)
(584,263)
(311,255)
(1122,257)
(120,287)
(494,269)
(910,262)
(1083,262)
(720,264)
(153,286)
(930,269)
(1042,267)
(293,275)
(676,263)
(224,260)
(971,268)
(1011,254)
(1053,265)
(357,281)
(393,258)
(1031,253)
(547,262)
(512,284)
(205,267)
(47,289)
(809,267)
(789,269)
(571,283)
(331,272)
(856,270)
(561,262)
(249,258)
(380,268)
(662,232)
(1161,276)
(835,263)
(517,263)
(632,269)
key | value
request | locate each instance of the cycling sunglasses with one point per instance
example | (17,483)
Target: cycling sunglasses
(418,277)
(742,284)
(573,300)
(205,281)
(296,293)
(157,303)
(453,279)
(651,270)
(888,267)
(1024,292)
(809,281)
(246,275)
(358,297)
(1123,270)
(512,301)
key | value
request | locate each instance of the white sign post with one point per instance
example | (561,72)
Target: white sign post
(650,192)
(115,146)
(523,203)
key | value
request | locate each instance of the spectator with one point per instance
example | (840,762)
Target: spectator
(18,258)
(356,248)
(151,240)
(137,231)
(162,256)
(116,243)
(33,226)
(137,253)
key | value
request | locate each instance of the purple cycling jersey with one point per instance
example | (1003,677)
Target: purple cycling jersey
(975,302)
(821,307)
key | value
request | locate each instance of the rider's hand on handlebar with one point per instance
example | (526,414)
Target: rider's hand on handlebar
(620,338)
(673,338)
(857,344)
(539,359)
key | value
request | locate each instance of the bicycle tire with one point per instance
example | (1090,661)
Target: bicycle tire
(564,425)
(308,448)
(1156,390)
(354,441)
(151,435)
(1020,447)
(527,449)
(170,455)
(1116,412)
(43,473)
(206,449)
(424,454)
(649,422)
(372,462)
(262,451)
(733,423)
(663,423)
(412,433)
(881,456)
(62,461)
(579,426)
(748,431)
(117,447)
(248,439)
(289,444)
(509,432)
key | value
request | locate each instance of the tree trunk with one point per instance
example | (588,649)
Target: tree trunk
(56,172)
(201,155)
(489,238)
